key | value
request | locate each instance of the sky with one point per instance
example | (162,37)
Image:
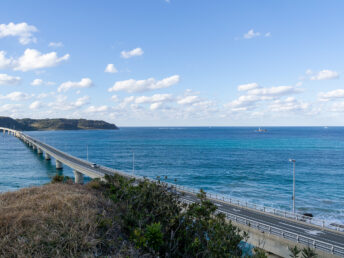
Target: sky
(174,63)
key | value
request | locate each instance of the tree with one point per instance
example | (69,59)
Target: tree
(294,252)
(158,223)
(308,253)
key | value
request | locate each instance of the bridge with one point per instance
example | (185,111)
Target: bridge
(271,229)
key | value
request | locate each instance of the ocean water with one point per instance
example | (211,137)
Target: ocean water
(233,161)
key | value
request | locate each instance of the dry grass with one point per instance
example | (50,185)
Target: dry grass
(60,220)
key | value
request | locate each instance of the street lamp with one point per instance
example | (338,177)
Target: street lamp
(293,160)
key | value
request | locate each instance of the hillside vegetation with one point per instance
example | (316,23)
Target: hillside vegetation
(120,218)
(28,124)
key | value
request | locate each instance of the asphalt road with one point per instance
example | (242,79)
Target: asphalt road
(307,230)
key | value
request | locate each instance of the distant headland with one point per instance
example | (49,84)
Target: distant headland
(28,124)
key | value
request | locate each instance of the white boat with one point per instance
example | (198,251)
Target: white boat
(260,130)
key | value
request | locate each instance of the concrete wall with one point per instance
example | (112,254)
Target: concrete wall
(273,244)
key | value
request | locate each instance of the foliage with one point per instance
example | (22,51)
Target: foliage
(308,253)
(158,223)
(294,252)
(60,179)
(28,124)
(259,253)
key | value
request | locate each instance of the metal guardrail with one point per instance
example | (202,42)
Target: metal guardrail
(316,244)
(271,230)
(330,248)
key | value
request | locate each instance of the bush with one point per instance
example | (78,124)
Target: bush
(155,219)
(60,179)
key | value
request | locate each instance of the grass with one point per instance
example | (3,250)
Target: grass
(59,220)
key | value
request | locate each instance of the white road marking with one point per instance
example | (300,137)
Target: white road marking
(303,229)
(314,232)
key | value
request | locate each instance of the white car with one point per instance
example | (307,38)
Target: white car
(94,165)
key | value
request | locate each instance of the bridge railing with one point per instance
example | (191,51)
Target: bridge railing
(313,243)
(285,234)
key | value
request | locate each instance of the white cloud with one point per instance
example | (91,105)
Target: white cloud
(110,68)
(188,100)
(268,34)
(132,85)
(81,101)
(274,91)
(255,94)
(6,79)
(84,83)
(248,86)
(55,44)
(288,104)
(114,98)
(155,106)
(337,107)
(21,30)
(309,72)
(94,109)
(39,82)
(5,63)
(135,52)
(330,95)
(35,105)
(16,96)
(45,95)
(33,59)
(324,75)
(251,34)
(9,107)
(243,102)
(154,98)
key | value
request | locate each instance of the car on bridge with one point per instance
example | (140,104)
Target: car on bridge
(94,165)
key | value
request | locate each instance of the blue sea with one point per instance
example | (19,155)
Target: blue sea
(233,161)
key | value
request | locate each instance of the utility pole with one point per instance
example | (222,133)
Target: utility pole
(87,151)
(133,163)
(294,161)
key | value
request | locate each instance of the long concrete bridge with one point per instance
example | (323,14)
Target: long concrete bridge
(271,229)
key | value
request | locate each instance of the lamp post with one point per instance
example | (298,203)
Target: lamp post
(133,163)
(293,160)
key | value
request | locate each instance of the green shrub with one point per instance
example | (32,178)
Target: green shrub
(156,220)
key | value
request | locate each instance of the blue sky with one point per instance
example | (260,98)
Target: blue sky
(174,62)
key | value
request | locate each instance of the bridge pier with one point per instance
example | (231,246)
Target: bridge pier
(47,156)
(39,151)
(79,177)
(58,164)
(34,147)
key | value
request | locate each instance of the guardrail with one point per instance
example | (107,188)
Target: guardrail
(316,244)
(336,250)
(271,230)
